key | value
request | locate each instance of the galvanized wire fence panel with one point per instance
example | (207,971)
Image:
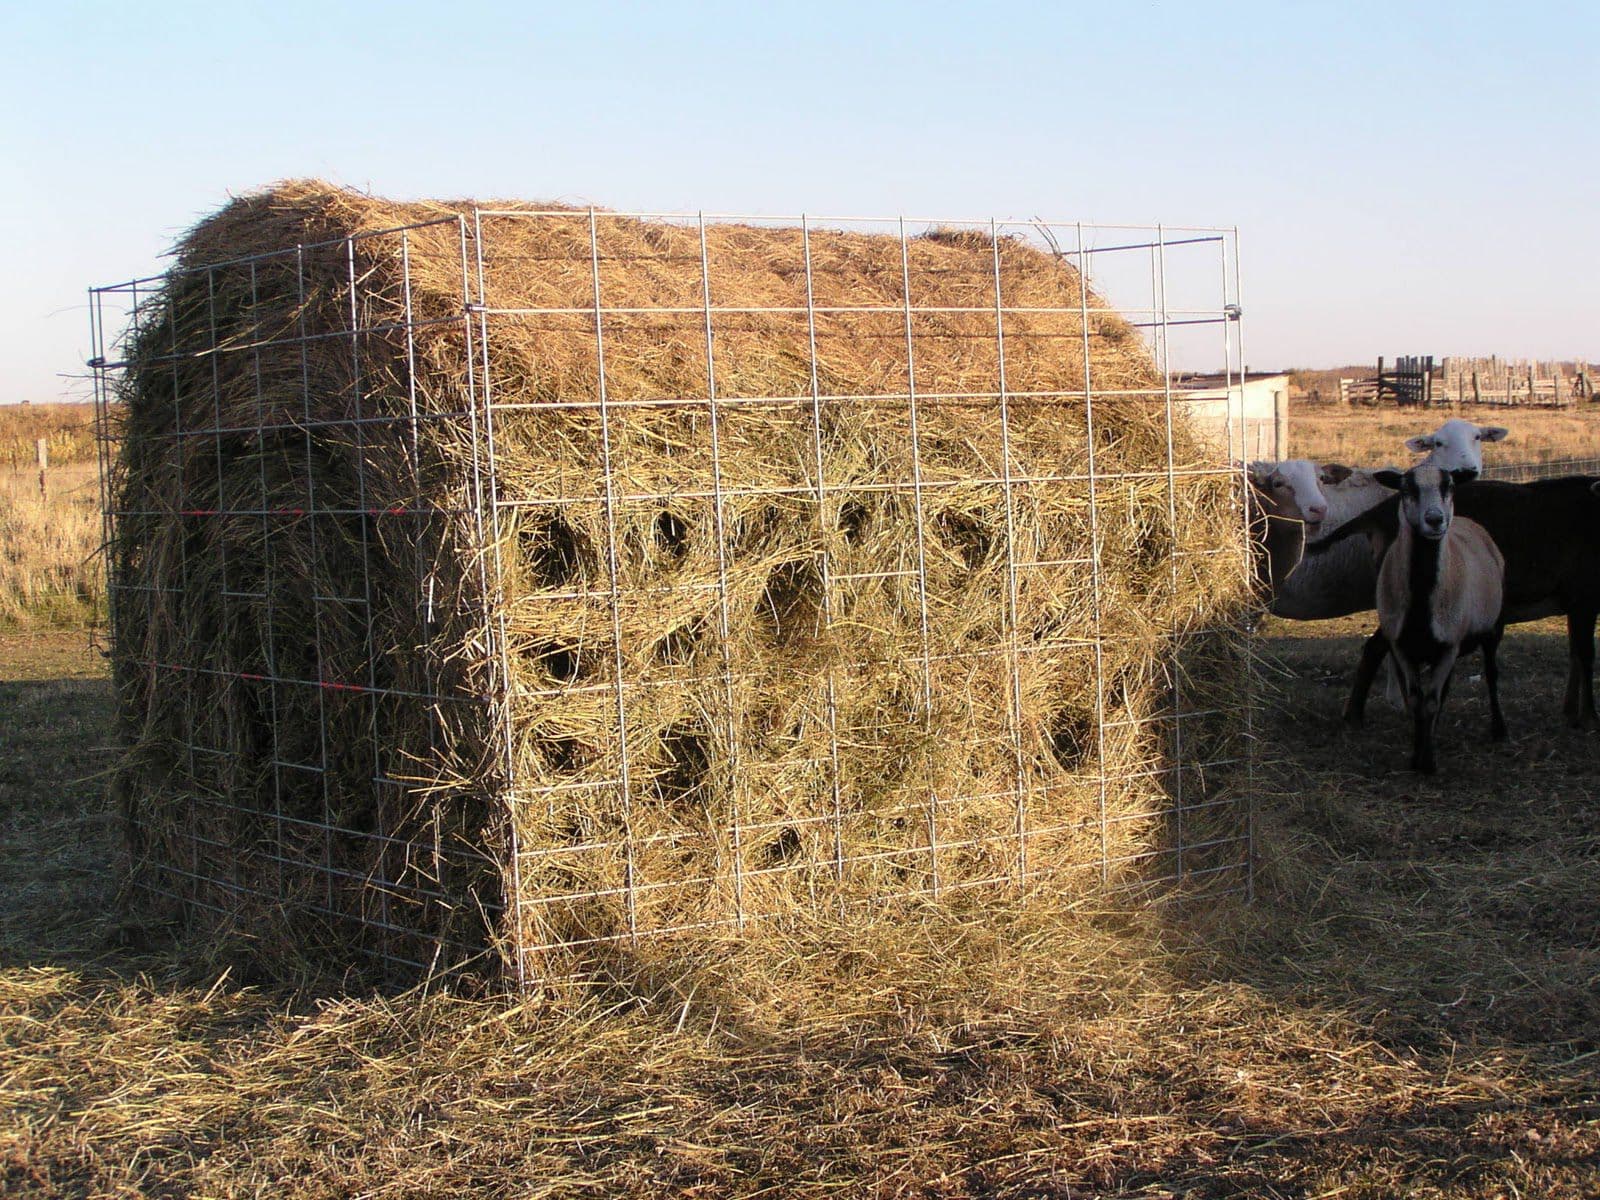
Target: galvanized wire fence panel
(1525,471)
(527,582)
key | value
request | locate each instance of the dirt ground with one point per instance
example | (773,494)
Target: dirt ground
(1411,1007)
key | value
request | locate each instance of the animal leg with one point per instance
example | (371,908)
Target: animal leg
(1429,687)
(1491,678)
(1372,655)
(1579,704)
(1424,715)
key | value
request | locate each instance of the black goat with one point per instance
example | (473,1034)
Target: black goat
(1549,533)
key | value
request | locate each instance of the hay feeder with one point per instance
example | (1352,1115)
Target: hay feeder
(520,584)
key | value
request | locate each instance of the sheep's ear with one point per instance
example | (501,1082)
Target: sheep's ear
(1492,433)
(1422,443)
(1260,472)
(1595,487)
(1389,479)
(1334,473)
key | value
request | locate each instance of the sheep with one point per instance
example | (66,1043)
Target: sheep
(1325,497)
(1340,578)
(1549,533)
(1440,595)
(1457,446)
(1302,503)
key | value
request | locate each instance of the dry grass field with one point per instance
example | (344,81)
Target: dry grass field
(1367,437)
(49,572)
(68,430)
(1411,1007)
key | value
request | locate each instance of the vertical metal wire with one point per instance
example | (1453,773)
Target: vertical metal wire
(422,529)
(357,382)
(735,811)
(97,361)
(1094,559)
(103,440)
(824,532)
(1164,365)
(1250,648)
(181,455)
(1013,649)
(323,770)
(922,566)
(269,637)
(226,595)
(614,575)
(497,605)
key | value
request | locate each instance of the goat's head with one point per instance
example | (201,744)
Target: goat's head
(1456,445)
(1427,497)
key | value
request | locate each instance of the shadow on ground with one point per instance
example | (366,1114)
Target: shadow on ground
(1411,1007)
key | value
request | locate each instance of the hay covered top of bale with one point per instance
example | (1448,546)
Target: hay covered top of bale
(758,281)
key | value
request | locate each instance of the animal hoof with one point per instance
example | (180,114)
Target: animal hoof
(1585,721)
(1497,733)
(1354,720)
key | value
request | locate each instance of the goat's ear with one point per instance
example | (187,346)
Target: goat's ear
(1422,443)
(1492,433)
(1389,479)
(1595,487)
(1260,472)
(1462,475)
(1334,473)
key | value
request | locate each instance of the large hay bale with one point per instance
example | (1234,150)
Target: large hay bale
(452,615)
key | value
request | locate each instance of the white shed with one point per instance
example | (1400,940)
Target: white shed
(1243,417)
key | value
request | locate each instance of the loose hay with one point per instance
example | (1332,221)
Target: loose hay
(452,616)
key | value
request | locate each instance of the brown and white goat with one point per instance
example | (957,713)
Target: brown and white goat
(1441,590)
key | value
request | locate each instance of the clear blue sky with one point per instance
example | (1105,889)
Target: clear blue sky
(1407,178)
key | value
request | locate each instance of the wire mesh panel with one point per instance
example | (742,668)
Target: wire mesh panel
(530,581)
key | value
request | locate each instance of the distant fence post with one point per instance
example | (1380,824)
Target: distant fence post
(44,465)
(1280,423)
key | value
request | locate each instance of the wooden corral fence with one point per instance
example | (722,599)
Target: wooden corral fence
(1408,384)
(1418,381)
(1516,382)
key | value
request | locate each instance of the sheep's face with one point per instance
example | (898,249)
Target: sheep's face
(1293,489)
(1456,446)
(1427,498)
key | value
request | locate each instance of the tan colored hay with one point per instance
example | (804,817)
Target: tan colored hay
(743,798)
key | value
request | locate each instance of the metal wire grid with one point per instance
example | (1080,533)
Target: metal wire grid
(211,875)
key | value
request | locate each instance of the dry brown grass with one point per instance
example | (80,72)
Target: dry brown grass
(68,430)
(50,573)
(1375,437)
(1409,1010)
